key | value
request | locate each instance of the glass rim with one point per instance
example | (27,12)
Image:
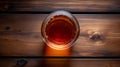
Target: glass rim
(48,18)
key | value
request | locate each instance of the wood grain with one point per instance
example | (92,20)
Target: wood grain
(74,63)
(70,5)
(20,34)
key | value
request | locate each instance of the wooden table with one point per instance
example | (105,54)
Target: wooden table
(20,34)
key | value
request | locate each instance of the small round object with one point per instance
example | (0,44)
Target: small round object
(60,30)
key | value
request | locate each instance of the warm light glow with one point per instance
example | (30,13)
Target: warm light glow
(54,52)
(58,47)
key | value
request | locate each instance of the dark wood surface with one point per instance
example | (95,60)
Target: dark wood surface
(73,63)
(20,35)
(70,5)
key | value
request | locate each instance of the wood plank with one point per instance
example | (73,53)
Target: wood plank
(70,5)
(20,34)
(74,63)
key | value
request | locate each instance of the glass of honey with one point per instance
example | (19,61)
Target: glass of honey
(60,30)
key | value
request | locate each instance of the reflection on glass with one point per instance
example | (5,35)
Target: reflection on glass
(60,30)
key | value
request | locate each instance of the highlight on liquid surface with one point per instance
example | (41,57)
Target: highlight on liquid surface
(60,30)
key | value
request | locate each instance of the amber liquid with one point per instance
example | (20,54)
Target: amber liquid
(60,30)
